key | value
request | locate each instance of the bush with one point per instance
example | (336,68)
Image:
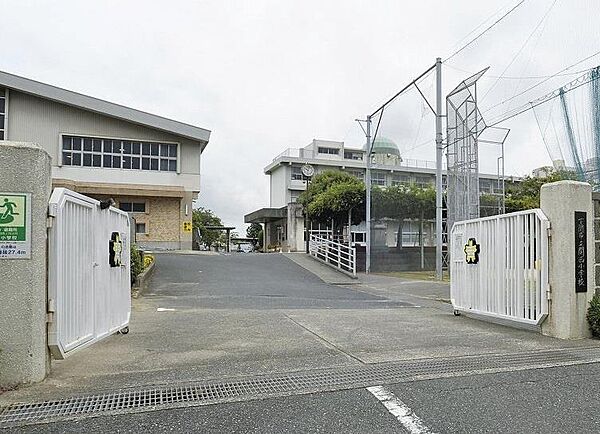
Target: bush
(137,264)
(148,260)
(593,315)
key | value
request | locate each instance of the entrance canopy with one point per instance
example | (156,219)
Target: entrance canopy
(266,215)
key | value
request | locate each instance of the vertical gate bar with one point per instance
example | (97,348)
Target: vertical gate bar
(525,270)
(519,266)
(532,277)
(538,266)
(513,239)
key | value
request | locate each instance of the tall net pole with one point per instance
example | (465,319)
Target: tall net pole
(368,205)
(438,169)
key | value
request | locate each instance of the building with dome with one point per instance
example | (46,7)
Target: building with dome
(283,220)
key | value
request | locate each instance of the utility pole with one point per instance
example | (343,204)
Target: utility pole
(368,185)
(438,169)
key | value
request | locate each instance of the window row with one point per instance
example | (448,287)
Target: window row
(331,151)
(120,154)
(297,173)
(132,206)
(349,155)
(2,113)
(118,162)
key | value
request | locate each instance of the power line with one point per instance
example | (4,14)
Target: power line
(541,82)
(583,80)
(514,77)
(522,48)
(484,31)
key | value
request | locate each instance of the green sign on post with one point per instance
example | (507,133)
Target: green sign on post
(15,225)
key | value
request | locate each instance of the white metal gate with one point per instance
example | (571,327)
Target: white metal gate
(89,288)
(338,255)
(509,278)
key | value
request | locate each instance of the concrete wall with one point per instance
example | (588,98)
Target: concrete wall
(279,187)
(24,355)
(42,121)
(567,308)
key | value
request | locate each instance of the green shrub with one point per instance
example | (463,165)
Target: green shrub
(137,263)
(593,315)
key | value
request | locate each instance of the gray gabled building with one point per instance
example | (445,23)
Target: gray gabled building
(148,164)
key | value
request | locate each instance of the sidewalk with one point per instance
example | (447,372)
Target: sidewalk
(324,272)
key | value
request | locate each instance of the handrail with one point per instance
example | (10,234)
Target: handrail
(337,255)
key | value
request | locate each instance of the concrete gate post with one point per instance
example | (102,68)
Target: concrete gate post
(25,181)
(568,206)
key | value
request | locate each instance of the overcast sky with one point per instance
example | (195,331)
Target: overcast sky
(267,75)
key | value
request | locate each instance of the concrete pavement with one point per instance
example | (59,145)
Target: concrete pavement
(208,318)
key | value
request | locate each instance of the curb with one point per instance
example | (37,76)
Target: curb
(142,280)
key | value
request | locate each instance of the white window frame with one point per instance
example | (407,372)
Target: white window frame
(92,136)
(375,180)
(5,113)
(294,174)
(330,150)
(132,202)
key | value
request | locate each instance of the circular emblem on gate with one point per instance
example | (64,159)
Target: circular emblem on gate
(472,250)
(115,250)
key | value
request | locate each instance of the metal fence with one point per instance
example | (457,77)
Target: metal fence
(338,255)
(89,287)
(499,266)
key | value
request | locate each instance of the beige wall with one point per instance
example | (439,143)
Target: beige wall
(164,219)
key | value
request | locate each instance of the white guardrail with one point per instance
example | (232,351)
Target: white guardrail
(508,274)
(337,255)
(89,285)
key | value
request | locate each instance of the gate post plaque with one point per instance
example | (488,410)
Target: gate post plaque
(568,206)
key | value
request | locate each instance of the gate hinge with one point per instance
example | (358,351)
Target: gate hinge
(549,292)
(549,232)
(51,309)
(49,221)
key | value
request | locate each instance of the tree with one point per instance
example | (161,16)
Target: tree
(526,193)
(402,202)
(255,231)
(201,218)
(334,196)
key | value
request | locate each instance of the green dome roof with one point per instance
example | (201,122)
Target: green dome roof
(383,145)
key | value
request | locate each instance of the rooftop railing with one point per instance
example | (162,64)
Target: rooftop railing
(302,153)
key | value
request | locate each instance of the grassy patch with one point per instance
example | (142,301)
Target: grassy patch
(416,275)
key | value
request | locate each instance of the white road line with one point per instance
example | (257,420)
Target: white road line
(409,420)
(165,309)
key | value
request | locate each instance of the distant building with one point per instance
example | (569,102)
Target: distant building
(543,172)
(283,219)
(148,164)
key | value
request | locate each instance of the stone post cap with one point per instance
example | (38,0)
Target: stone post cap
(568,184)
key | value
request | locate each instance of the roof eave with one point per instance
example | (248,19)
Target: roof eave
(103,107)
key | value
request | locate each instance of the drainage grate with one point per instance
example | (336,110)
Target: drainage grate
(287,384)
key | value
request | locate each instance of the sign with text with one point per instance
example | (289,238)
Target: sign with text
(580,251)
(15,226)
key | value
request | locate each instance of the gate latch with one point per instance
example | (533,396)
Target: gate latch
(51,310)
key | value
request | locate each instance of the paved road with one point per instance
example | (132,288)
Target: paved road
(250,281)
(254,317)
(553,400)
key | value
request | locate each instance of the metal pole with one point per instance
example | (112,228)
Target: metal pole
(438,169)
(368,186)
(306,232)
